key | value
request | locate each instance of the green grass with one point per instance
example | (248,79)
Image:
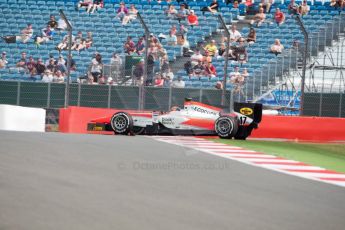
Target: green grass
(329,156)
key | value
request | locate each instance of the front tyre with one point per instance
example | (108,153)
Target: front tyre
(121,123)
(226,127)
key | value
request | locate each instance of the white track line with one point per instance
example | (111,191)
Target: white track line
(258,159)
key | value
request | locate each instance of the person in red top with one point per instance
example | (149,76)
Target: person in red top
(279,17)
(159,81)
(192,19)
(210,70)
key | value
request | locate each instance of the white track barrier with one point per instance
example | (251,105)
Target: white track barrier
(17,118)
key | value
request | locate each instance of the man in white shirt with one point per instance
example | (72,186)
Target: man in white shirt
(179,83)
(58,77)
(196,57)
(47,76)
(26,34)
(3,60)
(234,34)
(235,75)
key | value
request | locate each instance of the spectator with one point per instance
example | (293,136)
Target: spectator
(153,50)
(31,66)
(58,77)
(235,5)
(83,4)
(88,40)
(240,52)
(293,8)
(169,73)
(266,5)
(211,48)
(101,81)
(110,81)
(182,13)
(173,30)
(52,22)
(237,80)
(213,8)
(245,73)
(167,81)
(122,11)
(132,15)
(235,76)
(171,39)
(259,18)
(279,17)
(219,85)
(116,64)
(304,8)
(198,70)
(159,81)
(51,56)
(161,52)
(129,46)
(140,46)
(179,83)
(248,3)
(3,60)
(73,65)
(234,34)
(210,70)
(60,64)
(61,25)
(96,67)
(26,34)
(90,80)
(79,42)
(171,12)
(207,57)
(138,73)
(251,38)
(21,64)
(152,40)
(196,57)
(47,76)
(188,68)
(97,4)
(277,47)
(152,62)
(47,35)
(40,67)
(222,50)
(182,34)
(164,64)
(192,19)
(51,66)
(64,43)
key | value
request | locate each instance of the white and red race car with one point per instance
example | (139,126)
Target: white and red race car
(194,118)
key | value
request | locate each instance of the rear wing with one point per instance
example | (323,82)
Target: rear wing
(252,110)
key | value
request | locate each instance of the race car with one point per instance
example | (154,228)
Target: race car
(194,118)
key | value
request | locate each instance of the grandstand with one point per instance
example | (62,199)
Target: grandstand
(268,72)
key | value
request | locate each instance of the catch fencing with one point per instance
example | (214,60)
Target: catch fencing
(52,95)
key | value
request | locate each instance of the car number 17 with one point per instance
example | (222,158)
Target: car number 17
(242,120)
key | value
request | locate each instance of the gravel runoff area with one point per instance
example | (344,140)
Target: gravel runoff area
(66,181)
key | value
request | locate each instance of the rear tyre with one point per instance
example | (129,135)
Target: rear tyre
(121,123)
(226,127)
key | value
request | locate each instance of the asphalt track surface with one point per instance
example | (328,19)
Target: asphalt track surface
(64,181)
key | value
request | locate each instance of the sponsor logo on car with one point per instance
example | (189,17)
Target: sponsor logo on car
(201,110)
(168,121)
(246,111)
